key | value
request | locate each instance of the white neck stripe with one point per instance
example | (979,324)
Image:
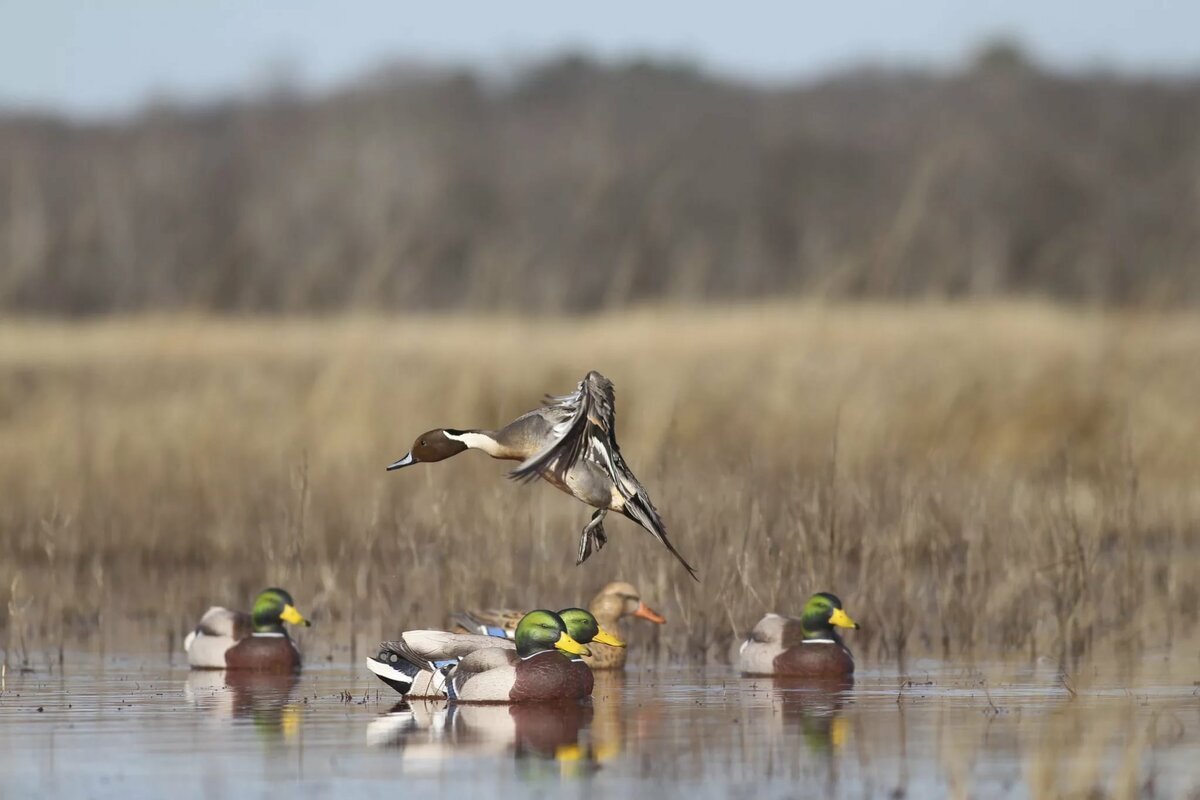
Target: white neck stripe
(475,441)
(818,641)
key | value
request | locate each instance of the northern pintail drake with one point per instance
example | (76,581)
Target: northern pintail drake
(570,442)
(808,647)
(540,664)
(227,639)
(611,604)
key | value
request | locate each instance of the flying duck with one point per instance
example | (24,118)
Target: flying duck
(570,442)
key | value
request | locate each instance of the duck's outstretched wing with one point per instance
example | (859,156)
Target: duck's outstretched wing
(584,425)
(576,419)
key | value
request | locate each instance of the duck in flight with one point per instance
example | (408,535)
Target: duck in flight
(571,442)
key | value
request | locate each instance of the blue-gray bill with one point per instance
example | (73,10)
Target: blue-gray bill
(404,462)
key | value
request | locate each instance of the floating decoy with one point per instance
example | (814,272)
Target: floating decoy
(227,639)
(808,647)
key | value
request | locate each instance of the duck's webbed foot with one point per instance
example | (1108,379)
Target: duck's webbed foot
(593,536)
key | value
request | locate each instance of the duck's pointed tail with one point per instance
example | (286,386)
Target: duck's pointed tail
(393,668)
(639,509)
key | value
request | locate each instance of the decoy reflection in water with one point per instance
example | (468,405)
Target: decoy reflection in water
(813,707)
(571,443)
(437,731)
(262,698)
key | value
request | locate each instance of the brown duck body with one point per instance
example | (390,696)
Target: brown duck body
(264,653)
(551,676)
(585,672)
(815,660)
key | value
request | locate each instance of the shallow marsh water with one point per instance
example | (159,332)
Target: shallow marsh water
(128,727)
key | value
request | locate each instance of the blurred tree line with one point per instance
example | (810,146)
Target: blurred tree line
(576,185)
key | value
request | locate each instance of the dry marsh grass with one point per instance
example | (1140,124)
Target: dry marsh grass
(976,479)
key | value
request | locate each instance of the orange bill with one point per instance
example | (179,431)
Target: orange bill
(646,612)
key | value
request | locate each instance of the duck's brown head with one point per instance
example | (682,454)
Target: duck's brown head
(620,599)
(434,445)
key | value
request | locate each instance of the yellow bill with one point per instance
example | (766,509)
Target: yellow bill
(290,614)
(568,752)
(604,637)
(568,645)
(841,619)
(838,732)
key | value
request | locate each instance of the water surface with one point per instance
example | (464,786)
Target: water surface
(128,727)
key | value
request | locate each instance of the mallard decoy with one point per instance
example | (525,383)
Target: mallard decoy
(227,639)
(571,443)
(581,624)
(466,667)
(808,647)
(611,604)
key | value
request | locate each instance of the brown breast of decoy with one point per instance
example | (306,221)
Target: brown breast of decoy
(549,676)
(815,660)
(264,654)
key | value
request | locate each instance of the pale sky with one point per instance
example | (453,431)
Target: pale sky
(91,57)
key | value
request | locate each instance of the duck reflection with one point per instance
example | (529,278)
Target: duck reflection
(431,732)
(615,723)
(813,708)
(263,699)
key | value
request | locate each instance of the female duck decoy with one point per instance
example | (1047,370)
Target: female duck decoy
(536,666)
(227,639)
(571,442)
(611,604)
(808,647)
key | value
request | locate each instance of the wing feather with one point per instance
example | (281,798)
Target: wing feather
(577,419)
(584,424)
(427,646)
(218,621)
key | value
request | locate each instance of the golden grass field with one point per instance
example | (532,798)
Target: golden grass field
(973,480)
